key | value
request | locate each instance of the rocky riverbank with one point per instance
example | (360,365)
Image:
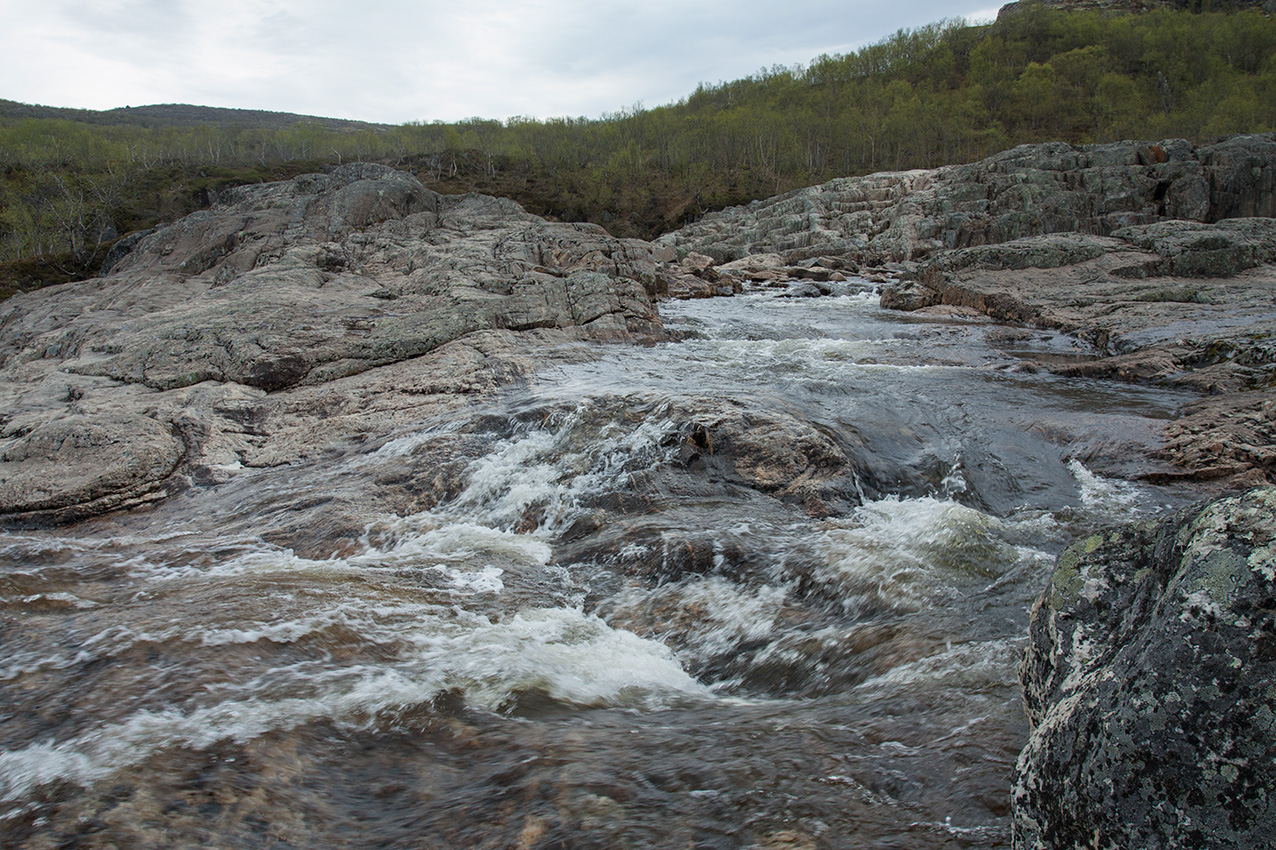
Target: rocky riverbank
(1159,255)
(325,312)
(293,316)
(302,313)
(1026,191)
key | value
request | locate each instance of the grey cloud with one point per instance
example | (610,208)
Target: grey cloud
(394,61)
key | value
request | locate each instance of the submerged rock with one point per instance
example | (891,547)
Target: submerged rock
(1148,684)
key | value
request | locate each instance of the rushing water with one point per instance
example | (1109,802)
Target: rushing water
(552,624)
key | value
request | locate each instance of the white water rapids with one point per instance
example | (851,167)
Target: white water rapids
(586,634)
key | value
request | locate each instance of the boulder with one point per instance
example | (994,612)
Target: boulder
(909,296)
(758,268)
(77,465)
(807,289)
(695,276)
(1148,685)
(766,450)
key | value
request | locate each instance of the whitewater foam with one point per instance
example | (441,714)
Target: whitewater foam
(562,653)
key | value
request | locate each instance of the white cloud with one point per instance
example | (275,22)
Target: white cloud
(395,60)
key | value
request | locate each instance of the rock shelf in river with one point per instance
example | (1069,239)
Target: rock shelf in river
(1131,294)
(1161,255)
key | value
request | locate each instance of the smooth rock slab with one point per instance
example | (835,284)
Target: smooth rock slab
(1150,683)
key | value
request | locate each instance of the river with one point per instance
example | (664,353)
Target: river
(576,617)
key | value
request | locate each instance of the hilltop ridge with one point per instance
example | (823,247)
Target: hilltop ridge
(177,115)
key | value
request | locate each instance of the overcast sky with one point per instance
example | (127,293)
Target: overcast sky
(394,61)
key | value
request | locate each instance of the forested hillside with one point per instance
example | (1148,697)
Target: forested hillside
(944,93)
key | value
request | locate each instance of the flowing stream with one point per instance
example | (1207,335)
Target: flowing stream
(568,619)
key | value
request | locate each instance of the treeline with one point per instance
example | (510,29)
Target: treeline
(940,94)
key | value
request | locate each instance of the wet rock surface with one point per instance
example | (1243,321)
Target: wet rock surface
(1147,679)
(1148,683)
(293,315)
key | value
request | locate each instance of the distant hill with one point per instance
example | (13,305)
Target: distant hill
(178,115)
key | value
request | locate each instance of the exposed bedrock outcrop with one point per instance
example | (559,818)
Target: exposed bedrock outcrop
(1030,190)
(289,316)
(1149,686)
(1176,301)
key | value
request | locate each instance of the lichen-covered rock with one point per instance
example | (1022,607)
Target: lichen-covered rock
(1191,249)
(1150,684)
